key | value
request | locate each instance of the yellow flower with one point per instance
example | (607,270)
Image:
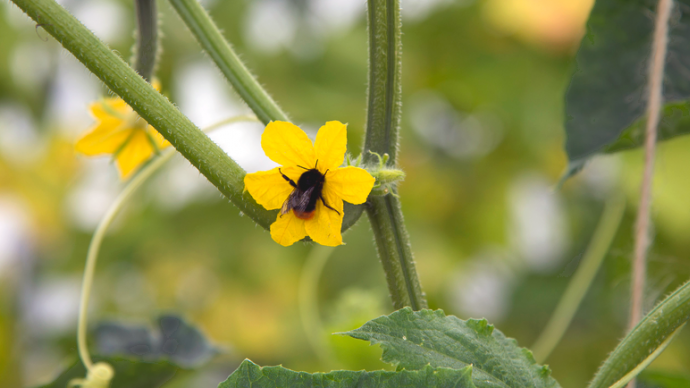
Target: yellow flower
(121,132)
(310,185)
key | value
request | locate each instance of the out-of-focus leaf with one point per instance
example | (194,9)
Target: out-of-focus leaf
(175,340)
(661,379)
(254,376)
(128,373)
(413,339)
(606,101)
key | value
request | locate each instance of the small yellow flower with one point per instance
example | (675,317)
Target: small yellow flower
(121,132)
(310,185)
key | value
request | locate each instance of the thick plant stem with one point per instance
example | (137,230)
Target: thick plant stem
(381,137)
(211,40)
(395,252)
(656,77)
(385,87)
(193,144)
(146,46)
(571,299)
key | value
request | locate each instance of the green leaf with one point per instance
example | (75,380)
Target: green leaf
(413,339)
(606,101)
(651,333)
(128,373)
(254,376)
(662,379)
(175,340)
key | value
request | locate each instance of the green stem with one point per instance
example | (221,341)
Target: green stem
(652,331)
(381,137)
(192,143)
(308,304)
(385,87)
(146,48)
(211,40)
(392,242)
(594,256)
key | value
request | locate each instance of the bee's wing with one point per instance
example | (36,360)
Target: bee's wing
(287,205)
(302,199)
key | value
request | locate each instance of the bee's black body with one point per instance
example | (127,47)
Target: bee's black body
(308,190)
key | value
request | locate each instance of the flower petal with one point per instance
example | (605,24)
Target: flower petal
(287,145)
(268,188)
(288,229)
(352,184)
(325,227)
(158,139)
(330,145)
(103,138)
(137,151)
(109,108)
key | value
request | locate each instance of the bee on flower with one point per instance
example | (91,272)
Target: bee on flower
(310,186)
(120,131)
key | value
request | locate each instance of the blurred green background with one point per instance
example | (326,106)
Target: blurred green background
(482,136)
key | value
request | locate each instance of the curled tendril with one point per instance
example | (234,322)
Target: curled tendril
(98,376)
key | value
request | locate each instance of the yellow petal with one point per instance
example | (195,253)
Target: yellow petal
(158,139)
(288,229)
(269,188)
(104,138)
(287,145)
(352,184)
(330,145)
(109,108)
(137,151)
(325,227)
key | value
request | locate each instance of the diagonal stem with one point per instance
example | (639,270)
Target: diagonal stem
(221,52)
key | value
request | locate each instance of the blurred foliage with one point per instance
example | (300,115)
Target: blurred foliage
(481,147)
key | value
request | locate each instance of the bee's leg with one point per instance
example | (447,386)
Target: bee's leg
(292,183)
(326,205)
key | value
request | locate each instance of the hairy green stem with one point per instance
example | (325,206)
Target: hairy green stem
(587,270)
(211,40)
(392,242)
(191,142)
(146,47)
(385,87)
(381,137)
(652,331)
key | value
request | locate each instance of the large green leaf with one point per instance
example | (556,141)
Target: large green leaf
(174,340)
(128,373)
(413,339)
(605,104)
(251,375)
